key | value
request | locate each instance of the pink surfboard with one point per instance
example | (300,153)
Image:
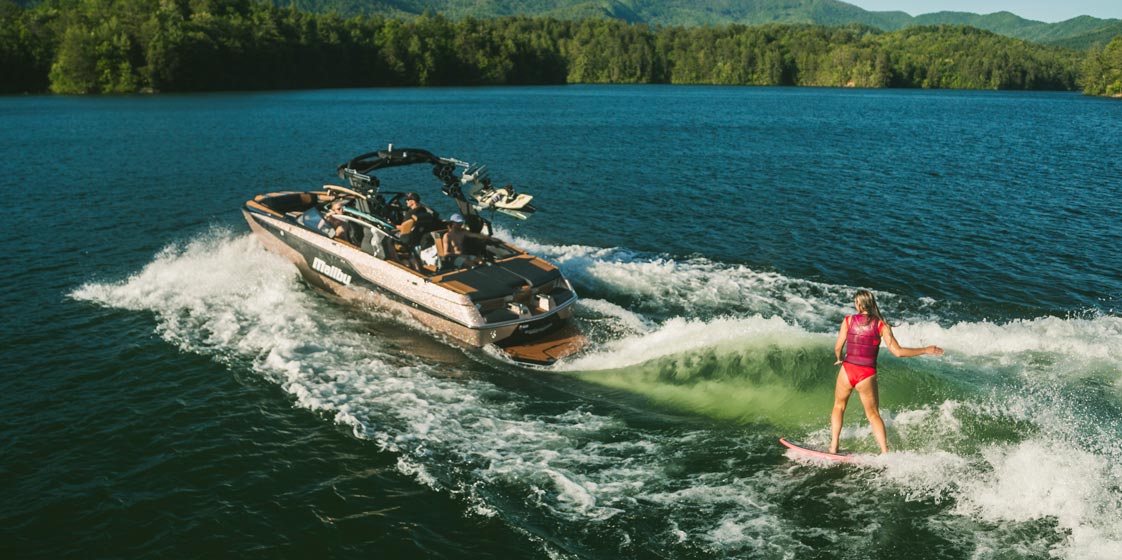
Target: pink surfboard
(807,451)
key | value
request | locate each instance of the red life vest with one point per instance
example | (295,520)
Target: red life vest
(862,340)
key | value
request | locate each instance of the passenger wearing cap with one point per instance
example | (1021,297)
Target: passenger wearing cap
(417,217)
(452,244)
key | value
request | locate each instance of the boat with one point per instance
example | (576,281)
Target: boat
(503,297)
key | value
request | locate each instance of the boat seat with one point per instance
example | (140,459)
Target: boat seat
(436,235)
(431,256)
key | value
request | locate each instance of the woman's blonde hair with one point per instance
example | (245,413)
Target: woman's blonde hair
(867,303)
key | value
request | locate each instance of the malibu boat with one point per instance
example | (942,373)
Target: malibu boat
(502,295)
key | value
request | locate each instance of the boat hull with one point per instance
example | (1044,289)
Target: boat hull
(352,275)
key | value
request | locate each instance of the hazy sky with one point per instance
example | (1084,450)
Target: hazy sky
(1040,10)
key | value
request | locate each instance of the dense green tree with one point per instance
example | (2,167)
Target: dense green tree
(1102,71)
(1078,33)
(111,46)
(27,48)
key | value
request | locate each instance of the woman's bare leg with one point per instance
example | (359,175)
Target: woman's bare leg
(841,398)
(870,399)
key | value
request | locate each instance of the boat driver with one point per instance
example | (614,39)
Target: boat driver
(418,221)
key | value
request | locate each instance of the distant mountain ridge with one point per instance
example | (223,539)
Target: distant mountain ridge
(1076,33)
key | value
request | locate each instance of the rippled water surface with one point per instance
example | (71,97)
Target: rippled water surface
(175,390)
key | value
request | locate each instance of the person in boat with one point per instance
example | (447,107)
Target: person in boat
(453,244)
(331,222)
(861,334)
(416,223)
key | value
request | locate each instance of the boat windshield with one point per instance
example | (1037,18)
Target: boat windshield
(312,218)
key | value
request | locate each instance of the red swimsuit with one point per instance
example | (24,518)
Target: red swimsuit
(862,343)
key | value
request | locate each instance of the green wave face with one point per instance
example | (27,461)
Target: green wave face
(784,381)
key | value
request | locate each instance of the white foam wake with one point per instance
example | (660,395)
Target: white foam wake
(1070,348)
(1044,478)
(695,287)
(222,296)
(680,305)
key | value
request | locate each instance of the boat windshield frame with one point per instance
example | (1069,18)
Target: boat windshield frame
(357,171)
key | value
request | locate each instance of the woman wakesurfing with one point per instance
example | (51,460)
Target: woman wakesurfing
(861,334)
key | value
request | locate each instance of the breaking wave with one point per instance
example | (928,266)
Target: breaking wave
(1012,443)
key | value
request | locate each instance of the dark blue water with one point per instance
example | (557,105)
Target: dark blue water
(174,390)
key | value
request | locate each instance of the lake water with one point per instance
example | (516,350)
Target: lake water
(173,390)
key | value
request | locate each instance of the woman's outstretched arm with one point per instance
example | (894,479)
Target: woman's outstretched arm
(900,351)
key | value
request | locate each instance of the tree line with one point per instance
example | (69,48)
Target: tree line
(1102,72)
(126,46)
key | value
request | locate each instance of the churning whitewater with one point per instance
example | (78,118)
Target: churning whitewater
(661,436)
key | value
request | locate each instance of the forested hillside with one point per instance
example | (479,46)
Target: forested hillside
(1102,73)
(120,46)
(1077,33)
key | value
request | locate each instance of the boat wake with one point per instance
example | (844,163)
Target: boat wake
(1011,442)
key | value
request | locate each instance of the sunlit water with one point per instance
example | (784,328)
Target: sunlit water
(177,390)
